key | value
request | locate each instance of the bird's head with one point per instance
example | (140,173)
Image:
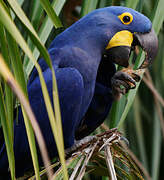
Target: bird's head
(128,28)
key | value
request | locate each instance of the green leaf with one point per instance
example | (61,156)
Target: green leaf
(19,12)
(7,134)
(88,6)
(51,13)
(16,62)
(43,35)
(71,164)
(36,13)
(8,93)
(137,108)
(156,148)
(132,4)
(158,17)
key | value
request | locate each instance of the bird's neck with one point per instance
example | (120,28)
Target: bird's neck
(85,42)
(90,34)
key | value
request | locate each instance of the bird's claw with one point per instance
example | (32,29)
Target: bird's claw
(80,144)
(135,74)
(123,81)
(125,140)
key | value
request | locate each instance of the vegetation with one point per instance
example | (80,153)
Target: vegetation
(26,28)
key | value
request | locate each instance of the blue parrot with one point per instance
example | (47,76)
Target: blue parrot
(84,58)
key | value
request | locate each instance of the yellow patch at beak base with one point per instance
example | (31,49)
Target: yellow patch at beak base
(121,38)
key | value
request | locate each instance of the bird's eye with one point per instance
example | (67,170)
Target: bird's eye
(126,18)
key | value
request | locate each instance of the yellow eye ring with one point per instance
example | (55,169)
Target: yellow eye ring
(126,18)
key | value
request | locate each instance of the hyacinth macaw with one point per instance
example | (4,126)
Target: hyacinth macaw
(84,58)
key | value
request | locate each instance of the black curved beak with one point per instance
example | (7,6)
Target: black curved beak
(147,41)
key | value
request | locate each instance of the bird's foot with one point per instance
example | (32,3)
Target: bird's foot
(80,144)
(123,81)
(125,140)
(100,140)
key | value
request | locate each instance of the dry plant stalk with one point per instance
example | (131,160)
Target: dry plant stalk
(110,163)
(157,98)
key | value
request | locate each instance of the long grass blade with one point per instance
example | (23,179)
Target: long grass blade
(72,177)
(88,6)
(139,131)
(43,34)
(36,16)
(51,13)
(56,127)
(4,71)
(8,93)
(19,12)
(8,27)
(156,149)
(7,135)
(36,13)
(132,4)
(19,74)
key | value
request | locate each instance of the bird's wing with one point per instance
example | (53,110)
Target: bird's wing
(54,55)
(70,87)
(101,101)
(97,111)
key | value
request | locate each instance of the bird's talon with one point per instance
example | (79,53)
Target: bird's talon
(125,140)
(123,81)
(136,77)
(78,144)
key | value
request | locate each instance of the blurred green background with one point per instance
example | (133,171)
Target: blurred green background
(138,115)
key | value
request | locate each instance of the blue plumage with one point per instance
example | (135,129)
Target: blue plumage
(83,79)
